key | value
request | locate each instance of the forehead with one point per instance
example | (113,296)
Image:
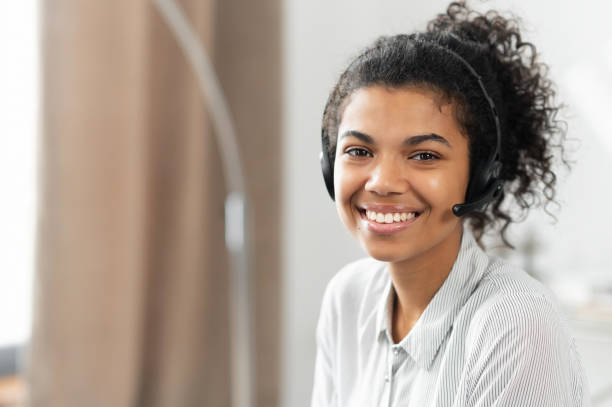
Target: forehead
(390,112)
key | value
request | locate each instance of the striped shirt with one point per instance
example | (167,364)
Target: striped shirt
(490,336)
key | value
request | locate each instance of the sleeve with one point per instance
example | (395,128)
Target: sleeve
(520,354)
(324,389)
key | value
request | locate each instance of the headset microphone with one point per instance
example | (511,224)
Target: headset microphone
(490,194)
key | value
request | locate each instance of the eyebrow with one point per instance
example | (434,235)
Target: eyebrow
(409,141)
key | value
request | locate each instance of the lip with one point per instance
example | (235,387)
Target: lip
(386,228)
(388,208)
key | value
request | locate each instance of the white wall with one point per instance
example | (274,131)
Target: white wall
(18,149)
(320,38)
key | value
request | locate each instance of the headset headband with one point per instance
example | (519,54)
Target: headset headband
(475,74)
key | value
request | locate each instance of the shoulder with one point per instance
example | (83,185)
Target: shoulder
(509,289)
(518,336)
(508,300)
(516,322)
(353,281)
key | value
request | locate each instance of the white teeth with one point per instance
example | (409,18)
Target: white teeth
(389,217)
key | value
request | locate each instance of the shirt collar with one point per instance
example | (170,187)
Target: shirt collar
(432,327)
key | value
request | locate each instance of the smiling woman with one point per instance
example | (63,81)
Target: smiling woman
(425,136)
(414,161)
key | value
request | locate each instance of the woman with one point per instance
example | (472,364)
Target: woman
(428,140)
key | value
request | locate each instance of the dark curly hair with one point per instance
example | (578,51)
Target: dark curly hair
(515,80)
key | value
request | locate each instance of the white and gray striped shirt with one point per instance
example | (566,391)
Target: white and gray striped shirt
(491,336)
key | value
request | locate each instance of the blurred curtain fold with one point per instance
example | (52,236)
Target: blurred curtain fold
(131,287)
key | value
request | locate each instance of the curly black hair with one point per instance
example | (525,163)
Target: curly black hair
(513,77)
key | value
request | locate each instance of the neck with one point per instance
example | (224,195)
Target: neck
(417,280)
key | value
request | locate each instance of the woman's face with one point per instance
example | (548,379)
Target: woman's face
(401,164)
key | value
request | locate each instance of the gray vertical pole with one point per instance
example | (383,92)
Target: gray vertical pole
(237,217)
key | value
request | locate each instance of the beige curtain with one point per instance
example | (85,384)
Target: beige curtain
(132,287)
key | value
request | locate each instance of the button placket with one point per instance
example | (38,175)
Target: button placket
(389,375)
(387,384)
(398,358)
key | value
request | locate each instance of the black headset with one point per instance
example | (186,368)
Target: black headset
(484,186)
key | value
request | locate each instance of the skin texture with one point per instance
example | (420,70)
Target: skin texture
(428,177)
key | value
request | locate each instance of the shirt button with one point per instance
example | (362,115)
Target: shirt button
(396,351)
(387,378)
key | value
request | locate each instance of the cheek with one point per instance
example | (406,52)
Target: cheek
(346,183)
(342,188)
(443,189)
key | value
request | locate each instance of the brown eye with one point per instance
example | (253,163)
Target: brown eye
(358,152)
(425,156)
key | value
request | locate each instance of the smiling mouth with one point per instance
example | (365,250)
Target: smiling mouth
(388,217)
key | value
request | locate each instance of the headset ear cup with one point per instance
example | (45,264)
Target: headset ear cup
(478,183)
(485,187)
(328,173)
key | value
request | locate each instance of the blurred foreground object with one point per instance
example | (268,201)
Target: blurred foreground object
(12,391)
(132,284)
(237,214)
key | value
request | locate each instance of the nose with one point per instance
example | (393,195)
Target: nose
(387,178)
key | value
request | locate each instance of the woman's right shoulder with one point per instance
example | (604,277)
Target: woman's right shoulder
(356,281)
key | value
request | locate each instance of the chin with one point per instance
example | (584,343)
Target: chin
(388,253)
(386,257)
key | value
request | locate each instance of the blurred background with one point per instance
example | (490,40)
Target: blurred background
(116,287)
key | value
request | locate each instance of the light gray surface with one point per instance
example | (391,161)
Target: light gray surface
(594,340)
(9,360)
(320,37)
